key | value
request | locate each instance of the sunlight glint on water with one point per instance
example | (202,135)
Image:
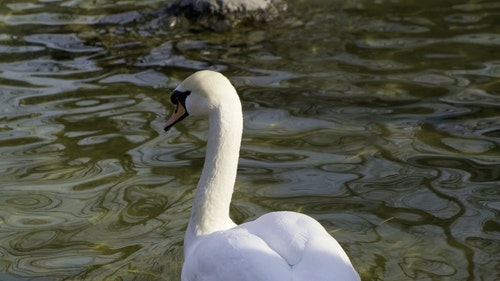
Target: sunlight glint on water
(378,118)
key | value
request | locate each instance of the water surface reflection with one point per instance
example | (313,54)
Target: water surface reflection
(380,119)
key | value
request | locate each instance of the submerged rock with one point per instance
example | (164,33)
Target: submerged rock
(220,15)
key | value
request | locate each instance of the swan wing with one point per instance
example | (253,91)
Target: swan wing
(310,251)
(277,246)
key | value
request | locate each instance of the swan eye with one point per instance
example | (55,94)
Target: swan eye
(178,96)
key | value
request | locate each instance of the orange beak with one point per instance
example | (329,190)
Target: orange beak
(179,114)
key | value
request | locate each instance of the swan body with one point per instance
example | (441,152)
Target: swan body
(278,246)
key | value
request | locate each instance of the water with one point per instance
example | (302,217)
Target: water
(378,118)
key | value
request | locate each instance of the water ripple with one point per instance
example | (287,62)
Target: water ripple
(485,39)
(476,171)
(64,42)
(49,19)
(383,125)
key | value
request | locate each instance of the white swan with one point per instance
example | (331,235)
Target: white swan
(277,246)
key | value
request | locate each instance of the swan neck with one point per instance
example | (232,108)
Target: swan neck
(212,200)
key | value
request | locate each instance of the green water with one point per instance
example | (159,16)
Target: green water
(378,118)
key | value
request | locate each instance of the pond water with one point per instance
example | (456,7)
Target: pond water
(378,118)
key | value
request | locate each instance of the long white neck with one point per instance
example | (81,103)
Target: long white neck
(213,195)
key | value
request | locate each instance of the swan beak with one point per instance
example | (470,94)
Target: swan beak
(179,114)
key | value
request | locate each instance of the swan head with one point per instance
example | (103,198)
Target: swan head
(199,94)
